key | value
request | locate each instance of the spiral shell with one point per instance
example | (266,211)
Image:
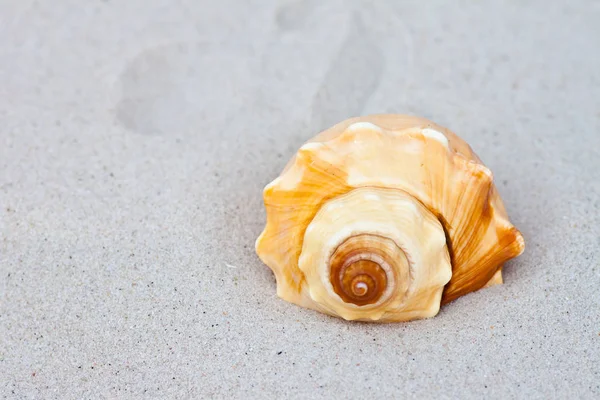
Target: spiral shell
(385,218)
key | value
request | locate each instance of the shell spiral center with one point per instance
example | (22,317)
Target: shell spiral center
(359,270)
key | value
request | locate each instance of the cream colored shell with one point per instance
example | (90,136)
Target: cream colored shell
(413,209)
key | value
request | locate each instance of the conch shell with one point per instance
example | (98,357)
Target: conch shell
(385,218)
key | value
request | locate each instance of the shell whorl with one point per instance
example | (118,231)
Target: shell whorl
(360,266)
(384,218)
(378,238)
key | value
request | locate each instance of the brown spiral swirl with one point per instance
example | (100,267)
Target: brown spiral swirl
(362,268)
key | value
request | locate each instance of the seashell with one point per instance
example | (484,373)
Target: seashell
(385,218)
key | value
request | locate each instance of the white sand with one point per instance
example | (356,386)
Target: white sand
(136,138)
